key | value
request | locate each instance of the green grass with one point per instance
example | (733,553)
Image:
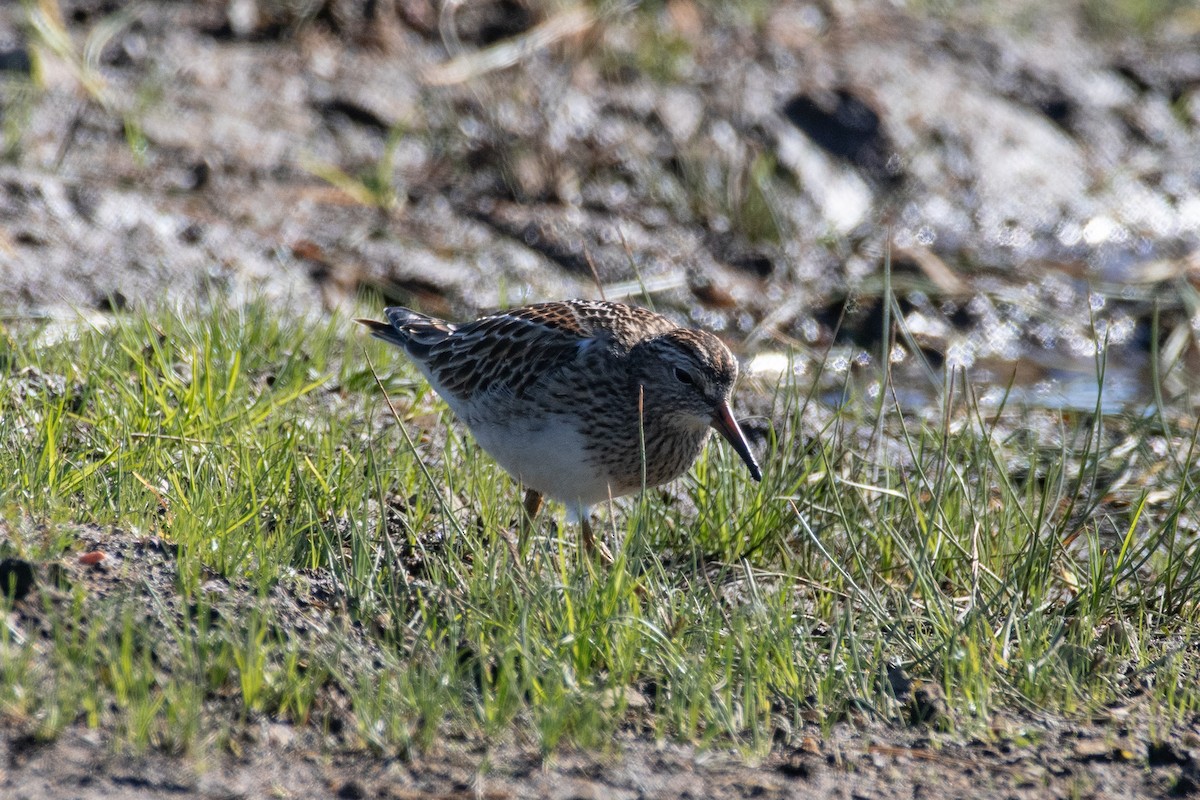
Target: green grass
(989,553)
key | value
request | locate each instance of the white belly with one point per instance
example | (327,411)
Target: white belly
(547,455)
(543,452)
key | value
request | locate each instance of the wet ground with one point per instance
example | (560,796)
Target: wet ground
(1032,179)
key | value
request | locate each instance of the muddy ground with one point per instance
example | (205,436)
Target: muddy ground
(1123,754)
(1038,177)
(1031,172)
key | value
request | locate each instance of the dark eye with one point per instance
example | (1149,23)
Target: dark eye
(683,376)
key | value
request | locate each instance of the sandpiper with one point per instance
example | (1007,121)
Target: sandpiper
(579,400)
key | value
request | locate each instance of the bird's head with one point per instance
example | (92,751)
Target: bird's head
(687,377)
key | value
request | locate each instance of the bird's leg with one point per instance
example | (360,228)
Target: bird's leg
(533,504)
(589,541)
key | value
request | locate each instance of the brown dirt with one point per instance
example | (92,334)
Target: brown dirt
(850,764)
(1029,757)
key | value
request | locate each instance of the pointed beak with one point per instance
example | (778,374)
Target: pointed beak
(727,426)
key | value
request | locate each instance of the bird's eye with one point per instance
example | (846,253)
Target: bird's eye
(683,376)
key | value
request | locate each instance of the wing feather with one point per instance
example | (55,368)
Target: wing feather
(512,351)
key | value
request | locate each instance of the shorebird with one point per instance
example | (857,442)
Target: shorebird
(579,400)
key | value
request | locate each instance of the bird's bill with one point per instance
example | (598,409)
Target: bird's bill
(728,427)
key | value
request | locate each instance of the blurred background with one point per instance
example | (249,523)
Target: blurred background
(1015,185)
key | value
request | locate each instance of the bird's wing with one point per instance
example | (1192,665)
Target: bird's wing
(513,350)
